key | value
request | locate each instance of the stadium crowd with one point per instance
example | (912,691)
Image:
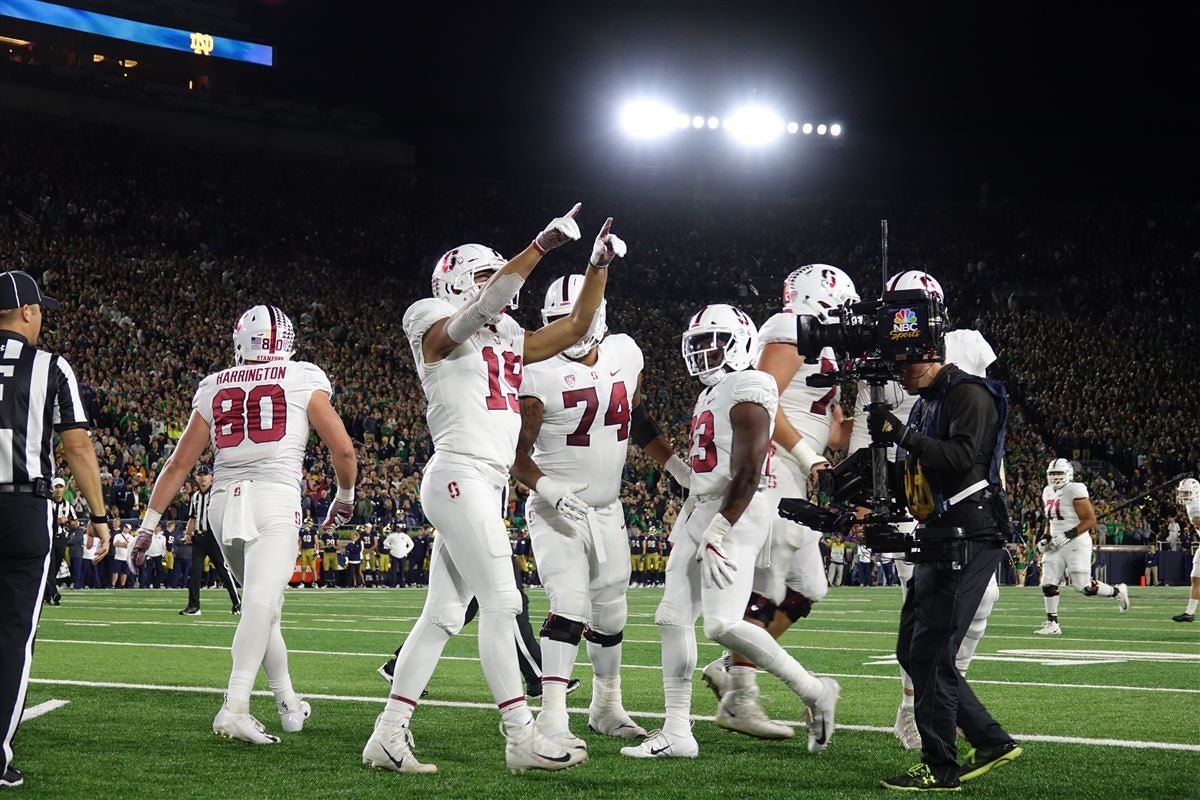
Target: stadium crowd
(157,249)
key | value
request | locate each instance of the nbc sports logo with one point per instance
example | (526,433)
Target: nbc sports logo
(906,316)
(904,325)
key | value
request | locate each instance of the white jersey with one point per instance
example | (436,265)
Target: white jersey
(259,419)
(584,436)
(1193,512)
(711,432)
(965,349)
(472,408)
(1060,507)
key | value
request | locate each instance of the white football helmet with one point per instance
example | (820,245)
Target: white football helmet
(560,299)
(1059,473)
(815,289)
(454,274)
(718,329)
(916,279)
(1187,491)
(264,333)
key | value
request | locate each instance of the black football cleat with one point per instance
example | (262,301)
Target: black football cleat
(1184,617)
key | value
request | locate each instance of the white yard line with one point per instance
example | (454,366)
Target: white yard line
(1022,737)
(585,664)
(33,712)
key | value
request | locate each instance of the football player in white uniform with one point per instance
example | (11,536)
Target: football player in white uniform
(718,540)
(970,352)
(1067,546)
(257,416)
(579,411)
(469,355)
(786,589)
(1187,494)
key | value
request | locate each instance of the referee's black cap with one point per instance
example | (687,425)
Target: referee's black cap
(18,289)
(204,469)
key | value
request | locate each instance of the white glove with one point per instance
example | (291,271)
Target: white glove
(717,570)
(607,247)
(560,231)
(1058,541)
(1042,545)
(565,499)
(678,470)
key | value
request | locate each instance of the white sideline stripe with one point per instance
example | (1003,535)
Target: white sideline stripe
(42,708)
(851,675)
(1022,737)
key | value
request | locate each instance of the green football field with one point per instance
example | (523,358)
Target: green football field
(1111,709)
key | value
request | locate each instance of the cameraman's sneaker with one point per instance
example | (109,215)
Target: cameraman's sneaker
(715,677)
(293,719)
(190,611)
(906,728)
(1049,628)
(1185,617)
(921,779)
(740,711)
(391,747)
(241,726)
(660,744)
(11,779)
(528,749)
(986,759)
(1122,597)
(819,715)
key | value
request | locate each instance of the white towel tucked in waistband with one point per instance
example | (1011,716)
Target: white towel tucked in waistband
(238,520)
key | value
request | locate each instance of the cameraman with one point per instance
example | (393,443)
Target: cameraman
(951,452)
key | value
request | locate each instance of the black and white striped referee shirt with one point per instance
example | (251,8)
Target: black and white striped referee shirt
(39,396)
(198,509)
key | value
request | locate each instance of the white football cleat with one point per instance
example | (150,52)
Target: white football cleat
(293,719)
(906,728)
(529,749)
(391,747)
(741,711)
(241,726)
(1049,628)
(715,677)
(563,738)
(819,716)
(660,744)
(1122,597)
(614,721)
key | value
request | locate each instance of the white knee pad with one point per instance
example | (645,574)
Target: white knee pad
(505,601)
(610,616)
(1080,581)
(449,617)
(718,629)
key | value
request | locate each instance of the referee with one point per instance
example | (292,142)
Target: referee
(200,536)
(40,397)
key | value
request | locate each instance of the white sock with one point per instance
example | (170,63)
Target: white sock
(678,692)
(516,716)
(1052,604)
(907,700)
(397,712)
(418,658)
(498,656)
(237,696)
(553,716)
(906,683)
(606,661)
(741,676)
(606,692)
(275,664)
(1192,606)
(797,678)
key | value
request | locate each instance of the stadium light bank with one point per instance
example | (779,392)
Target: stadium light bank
(751,125)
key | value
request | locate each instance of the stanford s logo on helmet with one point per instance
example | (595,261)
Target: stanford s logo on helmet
(454,273)
(264,333)
(816,289)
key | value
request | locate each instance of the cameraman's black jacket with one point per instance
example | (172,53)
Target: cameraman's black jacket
(956,440)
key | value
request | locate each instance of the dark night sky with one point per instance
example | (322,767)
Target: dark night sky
(1046,98)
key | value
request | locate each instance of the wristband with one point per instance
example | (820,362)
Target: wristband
(150,521)
(1071,534)
(678,470)
(98,520)
(807,457)
(345,495)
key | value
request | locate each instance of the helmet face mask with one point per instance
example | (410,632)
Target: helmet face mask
(456,272)
(560,299)
(1187,491)
(1059,473)
(264,333)
(719,340)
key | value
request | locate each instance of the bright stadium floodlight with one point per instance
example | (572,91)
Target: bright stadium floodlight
(835,129)
(697,122)
(683,121)
(821,129)
(713,123)
(793,127)
(807,128)
(648,119)
(756,125)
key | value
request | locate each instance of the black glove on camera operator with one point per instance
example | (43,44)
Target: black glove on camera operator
(951,452)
